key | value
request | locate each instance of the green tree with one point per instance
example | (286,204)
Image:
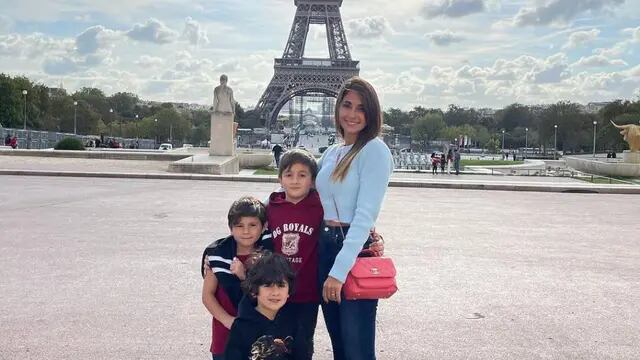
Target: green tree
(482,135)
(12,102)
(94,99)
(458,116)
(426,128)
(170,123)
(123,104)
(493,145)
(249,120)
(399,119)
(514,115)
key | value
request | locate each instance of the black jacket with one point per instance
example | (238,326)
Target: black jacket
(253,333)
(219,256)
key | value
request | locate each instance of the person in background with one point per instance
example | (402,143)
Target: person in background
(277,152)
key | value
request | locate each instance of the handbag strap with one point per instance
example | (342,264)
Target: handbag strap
(335,205)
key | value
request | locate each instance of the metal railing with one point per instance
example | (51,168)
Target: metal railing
(33,139)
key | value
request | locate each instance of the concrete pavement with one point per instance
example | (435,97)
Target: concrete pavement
(104,269)
(141,169)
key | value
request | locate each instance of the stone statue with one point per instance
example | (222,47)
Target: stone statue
(223,98)
(631,134)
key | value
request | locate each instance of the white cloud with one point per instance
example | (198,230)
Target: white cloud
(193,33)
(623,46)
(387,37)
(153,31)
(635,71)
(579,38)
(5,24)
(560,11)
(369,27)
(33,46)
(10,45)
(634,33)
(227,67)
(64,65)
(95,38)
(452,8)
(61,66)
(444,37)
(82,18)
(552,70)
(147,61)
(598,61)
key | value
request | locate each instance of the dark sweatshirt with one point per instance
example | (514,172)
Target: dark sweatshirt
(252,333)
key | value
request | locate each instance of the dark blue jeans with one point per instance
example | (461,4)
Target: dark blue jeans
(352,323)
(306,317)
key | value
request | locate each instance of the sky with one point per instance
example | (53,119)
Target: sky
(472,53)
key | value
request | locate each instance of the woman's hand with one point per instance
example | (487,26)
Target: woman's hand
(331,290)
(377,246)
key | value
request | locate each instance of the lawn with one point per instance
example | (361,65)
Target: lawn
(489,162)
(266,171)
(605,180)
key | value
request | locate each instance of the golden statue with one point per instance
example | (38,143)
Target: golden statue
(631,134)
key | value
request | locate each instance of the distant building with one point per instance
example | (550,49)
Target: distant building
(595,107)
(176,105)
(56,92)
(486,112)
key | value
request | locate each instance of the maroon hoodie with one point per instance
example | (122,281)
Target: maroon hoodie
(296,229)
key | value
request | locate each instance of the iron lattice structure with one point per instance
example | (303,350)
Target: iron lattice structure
(295,75)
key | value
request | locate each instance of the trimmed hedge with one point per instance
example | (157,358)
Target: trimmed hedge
(69,144)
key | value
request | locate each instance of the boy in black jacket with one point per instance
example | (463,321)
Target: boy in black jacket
(223,267)
(266,331)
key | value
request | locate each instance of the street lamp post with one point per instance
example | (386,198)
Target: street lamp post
(24,118)
(110,122)
(136,123)
(526,142)
(75,117)
(503,142)
(555,141)
(155,142)
(595,123)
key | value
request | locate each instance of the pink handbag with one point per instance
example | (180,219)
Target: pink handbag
(371,278)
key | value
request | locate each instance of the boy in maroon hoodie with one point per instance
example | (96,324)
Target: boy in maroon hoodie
(294,217)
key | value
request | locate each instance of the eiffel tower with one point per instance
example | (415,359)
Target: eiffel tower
(295,75)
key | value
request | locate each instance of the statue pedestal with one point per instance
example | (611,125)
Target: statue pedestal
(205,164)
(222,135)
(631,157)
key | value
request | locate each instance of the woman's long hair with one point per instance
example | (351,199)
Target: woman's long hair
(373,118)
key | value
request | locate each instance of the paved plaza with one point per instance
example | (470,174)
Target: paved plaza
(108,269)
(160,167)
